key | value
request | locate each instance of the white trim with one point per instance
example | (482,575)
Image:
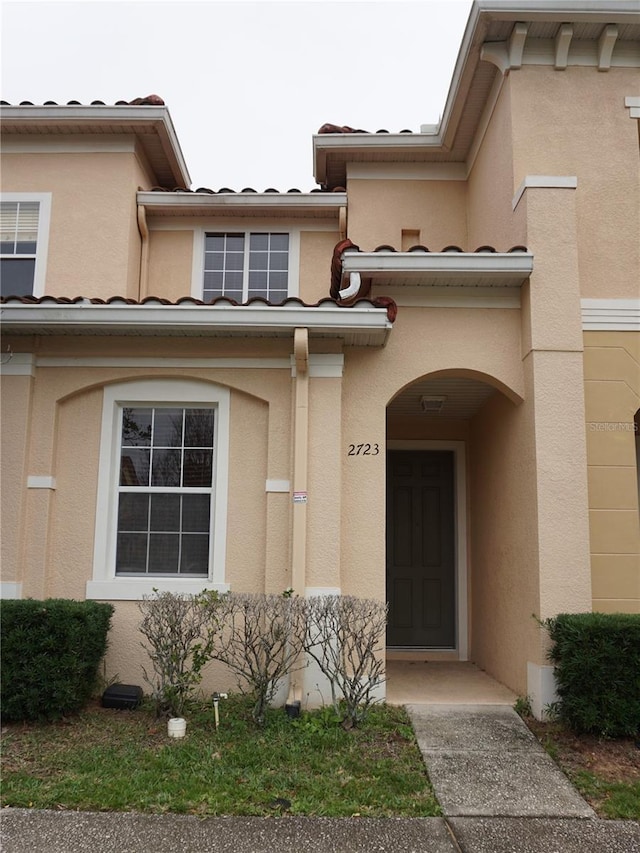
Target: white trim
(277,486)
(633,105)
(321,365)
(460,480)
(622,315)
(217,203)
(37,482)
(105,584)
(471,269)
(569,182)
(42,242)
(17,363)
(361,325)
(10,589)
(161,361)
(407,171)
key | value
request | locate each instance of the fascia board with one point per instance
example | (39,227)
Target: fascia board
(440,264)
(301,202)
(567,11)
(199,320)
(96,114)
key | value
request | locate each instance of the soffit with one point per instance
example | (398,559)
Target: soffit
(464,398)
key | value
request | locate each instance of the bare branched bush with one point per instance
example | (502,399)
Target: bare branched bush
(180,632)
(260,639)
(345,636)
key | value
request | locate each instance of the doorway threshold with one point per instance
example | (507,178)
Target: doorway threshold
(422,654)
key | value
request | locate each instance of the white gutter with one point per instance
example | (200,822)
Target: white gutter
(509,269)
(293,202)
(362,324)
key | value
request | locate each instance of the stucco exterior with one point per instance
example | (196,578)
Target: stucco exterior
(512,345)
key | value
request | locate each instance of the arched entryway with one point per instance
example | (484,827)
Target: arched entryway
(431,425)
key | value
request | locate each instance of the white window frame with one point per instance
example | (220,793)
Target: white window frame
(42,242)
(257,227)
(188,393)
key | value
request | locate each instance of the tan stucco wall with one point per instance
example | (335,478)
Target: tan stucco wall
(612,393)
(316,251)
(504,586)
(491,183)
(170,264)
(94,246)
(15,403)
(379,210)
(580,127)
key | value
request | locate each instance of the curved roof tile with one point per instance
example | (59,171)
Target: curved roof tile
(148,100)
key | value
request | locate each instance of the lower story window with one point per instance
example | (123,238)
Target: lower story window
(164,492)
(161,503)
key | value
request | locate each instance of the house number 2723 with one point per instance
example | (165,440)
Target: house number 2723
(363,450)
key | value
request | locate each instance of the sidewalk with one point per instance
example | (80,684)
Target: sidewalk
(499,791)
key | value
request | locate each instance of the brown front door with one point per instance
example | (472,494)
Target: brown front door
(420,549)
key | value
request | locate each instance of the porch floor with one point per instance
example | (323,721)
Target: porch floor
(443,683)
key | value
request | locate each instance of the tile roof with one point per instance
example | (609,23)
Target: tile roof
(335,128)
(148,101)
(227,190)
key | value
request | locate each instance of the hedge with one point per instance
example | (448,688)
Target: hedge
(50,653)
(597,669)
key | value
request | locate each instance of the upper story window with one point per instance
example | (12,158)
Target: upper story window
(241,265)
(24,231)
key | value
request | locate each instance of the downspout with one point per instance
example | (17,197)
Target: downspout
(143,283)
(300,459)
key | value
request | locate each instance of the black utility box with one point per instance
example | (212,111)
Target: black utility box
(123,696)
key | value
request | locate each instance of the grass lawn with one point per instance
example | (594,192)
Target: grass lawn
(606,772)
(107,760)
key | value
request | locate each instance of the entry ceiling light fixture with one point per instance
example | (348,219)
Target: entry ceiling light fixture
(432,405)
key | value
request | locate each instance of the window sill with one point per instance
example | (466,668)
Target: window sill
(134,589)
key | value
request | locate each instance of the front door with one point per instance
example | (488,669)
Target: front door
(420,549)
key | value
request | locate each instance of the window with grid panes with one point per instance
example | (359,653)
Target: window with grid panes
(241,265)
(165,491)
(18,244)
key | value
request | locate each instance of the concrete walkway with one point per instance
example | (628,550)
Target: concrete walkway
(499,791)
(484,762)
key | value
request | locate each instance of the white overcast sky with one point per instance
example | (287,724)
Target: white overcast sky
(246,83)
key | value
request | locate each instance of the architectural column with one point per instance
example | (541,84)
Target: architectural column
(553,365)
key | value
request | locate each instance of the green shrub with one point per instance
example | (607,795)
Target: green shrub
(50,652)
(597,668)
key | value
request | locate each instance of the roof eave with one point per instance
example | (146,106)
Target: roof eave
(441,140)
(123,115)
(360,325)
(327,204)
(509,269)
